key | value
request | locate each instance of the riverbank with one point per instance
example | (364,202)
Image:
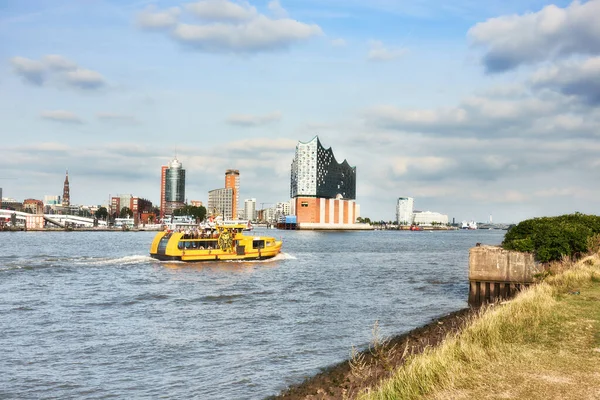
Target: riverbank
(365,369)
(544,344)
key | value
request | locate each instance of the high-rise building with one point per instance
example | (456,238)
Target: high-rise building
(172,188)
(232,181)
(220,203)
(405,210)
(250,209)
(323,190)
(163,197)
(66,199)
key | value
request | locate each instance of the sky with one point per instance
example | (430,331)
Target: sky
(474,108)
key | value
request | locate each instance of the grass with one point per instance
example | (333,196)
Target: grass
(544,344)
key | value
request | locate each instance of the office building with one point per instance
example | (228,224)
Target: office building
(232,181)
(220,202)
(250,209)
(322,190)
(405,210)
(50,200)
(172,187)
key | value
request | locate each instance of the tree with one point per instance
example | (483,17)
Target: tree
(101,213)
(199,213)
(126,213)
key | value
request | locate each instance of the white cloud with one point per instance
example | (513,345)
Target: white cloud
(379,52)
(549,34)
(222,10)
(32,71)
(259,34)
(61,116)
(58,70)
(277,10)
(249,120)
(575,78)
(152,19)
(423,165)
(479,116)
(58,62)
(237,27)
(85,79)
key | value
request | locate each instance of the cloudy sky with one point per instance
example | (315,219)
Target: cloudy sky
(474,108)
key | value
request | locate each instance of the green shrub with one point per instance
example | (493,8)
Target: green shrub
(551,238)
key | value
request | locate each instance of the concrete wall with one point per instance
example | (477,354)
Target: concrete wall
(493,263)
(495,273)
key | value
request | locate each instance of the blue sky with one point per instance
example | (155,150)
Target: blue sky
(474,109)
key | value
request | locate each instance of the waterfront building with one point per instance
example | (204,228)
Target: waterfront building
(283,208)
(405,210)
(196,203)
(33,206)
(322,190)
(220,203)
(66,199)
(141,208)
(11,204)
(172,187)
(250,209)
(232,181)
(429,218)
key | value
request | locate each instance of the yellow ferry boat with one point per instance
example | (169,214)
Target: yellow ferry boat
(215,243)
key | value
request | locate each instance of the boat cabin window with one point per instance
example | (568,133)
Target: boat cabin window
(202,244)
(258,244)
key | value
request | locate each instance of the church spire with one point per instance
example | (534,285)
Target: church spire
(66,200)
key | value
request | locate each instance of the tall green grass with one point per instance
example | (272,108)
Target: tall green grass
(499,334)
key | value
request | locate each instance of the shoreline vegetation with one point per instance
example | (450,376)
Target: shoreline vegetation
(542,344)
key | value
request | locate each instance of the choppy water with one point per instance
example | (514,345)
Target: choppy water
(90,315)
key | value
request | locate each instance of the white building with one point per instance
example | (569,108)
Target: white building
(405,210)
(220,202)
(250,209)
(430,218)
(52,200)
(283,208)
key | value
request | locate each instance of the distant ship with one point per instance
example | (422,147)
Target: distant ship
(469,225)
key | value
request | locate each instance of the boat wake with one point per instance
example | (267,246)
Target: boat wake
(127,260)
(278,257)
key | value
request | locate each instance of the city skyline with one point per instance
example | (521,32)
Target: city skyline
(472,109)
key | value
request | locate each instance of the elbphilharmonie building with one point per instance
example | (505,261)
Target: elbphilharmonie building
(316,173)
(322,190)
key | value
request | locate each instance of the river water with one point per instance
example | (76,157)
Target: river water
(90,315)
